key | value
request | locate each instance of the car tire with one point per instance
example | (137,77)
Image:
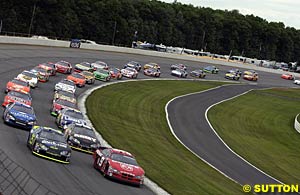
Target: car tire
(96,162)
(105,170)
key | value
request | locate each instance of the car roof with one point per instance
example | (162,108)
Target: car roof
(118,151)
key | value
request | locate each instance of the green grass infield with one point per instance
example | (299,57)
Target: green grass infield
(131,116)
(259,126)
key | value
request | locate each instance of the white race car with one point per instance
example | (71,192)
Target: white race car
(29,77)
(65,85)
(179,73)
(297,82)
(100,64)
(129,72)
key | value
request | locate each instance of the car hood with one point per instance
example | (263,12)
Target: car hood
(124,167)
(85,138)
(73,120)
(22,115)
(52,143)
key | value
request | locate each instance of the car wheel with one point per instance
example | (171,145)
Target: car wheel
(96,162)
(105,170)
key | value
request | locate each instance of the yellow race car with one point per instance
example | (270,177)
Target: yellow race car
(232,75)
(64,95)
(151,65)
(89,77)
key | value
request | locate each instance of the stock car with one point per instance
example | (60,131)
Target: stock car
(231,74)
(100,64)
(63,67)
(49,143)
(28,77)
(49,67)
(59,104)
(151,65)
(18,114)
(82,137)
(89,77)
(65,95)
(101,74)
(83,66)
(17,85)
(179,73)
(249,72)
(198,73)
(65,85)
(118,164)
(211,69)
(42,74)
(237,71)
(152,72)
(129,72)
(69,116)
(178,66)
(77,78)
(251,76)
(15,96)
(288,76)
(297,82)
(115,73)
(133,64)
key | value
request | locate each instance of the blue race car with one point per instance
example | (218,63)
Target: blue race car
(69,116)
(20,115)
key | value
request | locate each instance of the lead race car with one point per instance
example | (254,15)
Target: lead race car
(118,164)
(49,143)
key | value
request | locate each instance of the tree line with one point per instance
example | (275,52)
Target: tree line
(116,21)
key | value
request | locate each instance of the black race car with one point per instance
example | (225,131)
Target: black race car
(49,143)
(81,137)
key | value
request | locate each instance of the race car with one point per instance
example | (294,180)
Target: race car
(69,116)
(133,64)
(178,66)
(42,74)
(179,73)
(152,72)
(100,64)
(101,74)
(15,96)
(82,137)
(28,77)
(63,67)
(65,95)
(115,73)
(59,104)
(77,78)
(89,77)
(249,72)
(198,74)
(118,164)
(297,82)
(288,76)
(129,72)
(49,143)
(65,85)
(20,115)
(17,85)
(251,76)
(211,69)
(49,67)
(231,74)
(83,66)
(151,65)
(237,71)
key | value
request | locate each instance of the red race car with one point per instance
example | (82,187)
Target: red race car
(118,164)
(59,104)
(17,85)
(63,67)
(288,76)
(115,73)
(15,96)
(49,67)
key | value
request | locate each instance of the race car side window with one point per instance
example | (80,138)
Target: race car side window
(106,152)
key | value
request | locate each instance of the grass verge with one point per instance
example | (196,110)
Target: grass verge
(131,116)
(260,127)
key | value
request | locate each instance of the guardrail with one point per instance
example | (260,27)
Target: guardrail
(297,124)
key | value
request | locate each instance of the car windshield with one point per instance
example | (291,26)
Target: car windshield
(198,71)
(79,76)
(67,82)
(74,114)
(124,159)
(102,71)
(133,63)
(62,63)
(19,82)
(130,69)
(65,103)
(38,69)
(29,74)
(65,93)
(52,135)
(86,64)
(84,131)
(19,95)
(115,70)
(24,109)
(100,63)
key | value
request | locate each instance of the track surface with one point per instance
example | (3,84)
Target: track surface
(80,177)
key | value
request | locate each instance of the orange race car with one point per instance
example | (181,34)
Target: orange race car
(17,85)
(77,78)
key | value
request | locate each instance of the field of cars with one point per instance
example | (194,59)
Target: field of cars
(72,131)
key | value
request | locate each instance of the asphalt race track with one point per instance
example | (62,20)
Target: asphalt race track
(79,177)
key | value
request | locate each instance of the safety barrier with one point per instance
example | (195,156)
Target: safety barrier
(297,124)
